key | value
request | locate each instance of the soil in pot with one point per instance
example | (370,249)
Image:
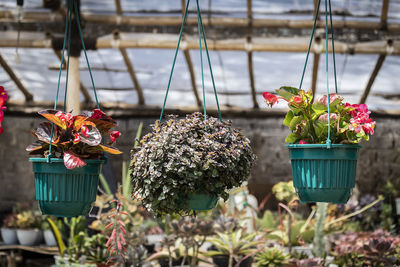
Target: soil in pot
(29,237)
(9,236)
(223,261)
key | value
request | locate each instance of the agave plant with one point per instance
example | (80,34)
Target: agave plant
(74,138)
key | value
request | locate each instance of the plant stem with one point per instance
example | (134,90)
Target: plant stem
(319,238)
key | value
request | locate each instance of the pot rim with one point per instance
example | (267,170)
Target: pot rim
(57,160)
(319,146)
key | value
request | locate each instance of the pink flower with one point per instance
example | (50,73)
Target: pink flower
(1,115)
(354,126)
(297,99)
(302,142)
(324,99)
(369,126)
(324,117)
(114,135)
(270,99)
(1,129)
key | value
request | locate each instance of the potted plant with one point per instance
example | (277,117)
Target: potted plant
(323,143)
(67,174)
(187,164)
(28,229)
(232,247)
(272,256)
(8,230)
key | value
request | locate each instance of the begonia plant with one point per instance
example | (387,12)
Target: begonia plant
(3,101)
(308,119)
(74,138)
(188,156)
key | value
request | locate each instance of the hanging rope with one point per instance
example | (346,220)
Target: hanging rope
(310,43)
(327,3)
(71,4)
(201,33)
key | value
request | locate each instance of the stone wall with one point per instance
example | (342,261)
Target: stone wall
(376,163)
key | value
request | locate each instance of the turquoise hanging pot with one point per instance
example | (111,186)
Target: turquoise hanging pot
(202,201)
(324,172)
(62,192)
(324,175)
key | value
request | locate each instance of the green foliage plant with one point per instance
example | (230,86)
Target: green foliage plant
(187,156)
(272,257)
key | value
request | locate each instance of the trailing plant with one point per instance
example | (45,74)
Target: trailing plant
(186,156)
(74,138)
(272,257)
(3,101)
(308,120)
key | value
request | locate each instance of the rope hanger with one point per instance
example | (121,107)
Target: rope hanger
(72,9)
(327,4)
(202,35)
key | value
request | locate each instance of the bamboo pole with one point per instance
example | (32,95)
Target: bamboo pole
(250,54)
(73,97)
(192,77)
(371,80)
(132,74)
(118,7)
(384,13)
(315,73)
(33,17)
(7,68)
(168,41)
(83,89)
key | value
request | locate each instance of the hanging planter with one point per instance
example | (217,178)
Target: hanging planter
(187,164)
(324,138)
(72,150)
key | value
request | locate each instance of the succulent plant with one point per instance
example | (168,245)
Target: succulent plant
(28,220)
(10,221)
(272,257)
(186,156)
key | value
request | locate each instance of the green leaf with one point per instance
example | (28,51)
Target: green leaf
(286,92)
(295,121)
(292,138)
(105,185)
(57,235)
(288,118)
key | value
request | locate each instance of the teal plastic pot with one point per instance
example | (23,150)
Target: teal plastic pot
(202,201)
(62,192)
(324,175)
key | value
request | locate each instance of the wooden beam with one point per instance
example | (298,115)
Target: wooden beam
(118,7)
(168,41)
(132,74)
(83,89)
(73,97)
(250,54)
(192,77)
(384,13)
(315,73)
(34,17)
(371,80)
(7,68)
(123,110)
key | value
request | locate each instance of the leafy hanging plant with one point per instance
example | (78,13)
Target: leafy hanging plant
(308,120)
(74,138)
(186,156)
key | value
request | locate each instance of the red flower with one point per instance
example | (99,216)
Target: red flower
(1,129)
(114,135)
(302,142)
(270,99)
(297,99)
(97,114)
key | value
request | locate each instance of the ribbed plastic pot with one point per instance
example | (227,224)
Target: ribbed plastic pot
(324,175)
(62,192)
(202,201)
